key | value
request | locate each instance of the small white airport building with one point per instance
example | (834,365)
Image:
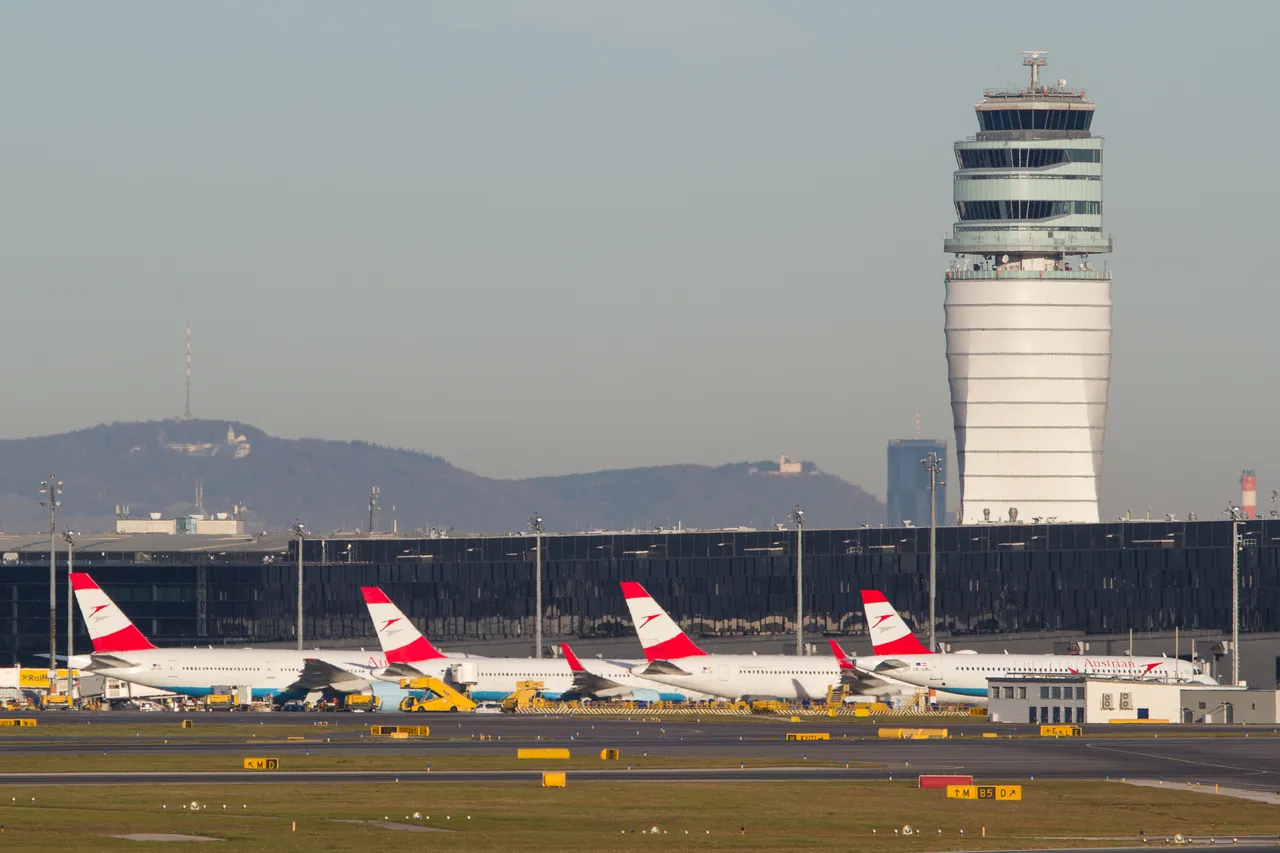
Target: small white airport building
(1075,699)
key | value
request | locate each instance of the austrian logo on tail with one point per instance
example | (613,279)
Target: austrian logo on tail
(96,609)
(648,619)
(390,622)
(881,620)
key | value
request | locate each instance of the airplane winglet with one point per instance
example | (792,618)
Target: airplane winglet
(575,665)
(841,657)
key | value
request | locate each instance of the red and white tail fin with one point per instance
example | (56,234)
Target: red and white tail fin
(889,634)
(659,634)
(841,658)
(109,629)
(400,641)
(575,665)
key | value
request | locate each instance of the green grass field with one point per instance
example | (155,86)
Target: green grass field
(600,816)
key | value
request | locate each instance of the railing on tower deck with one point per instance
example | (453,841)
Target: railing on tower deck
(1020,242)
(1042,92)
(1077,274)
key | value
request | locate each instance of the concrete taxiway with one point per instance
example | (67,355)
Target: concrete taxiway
(1251,762)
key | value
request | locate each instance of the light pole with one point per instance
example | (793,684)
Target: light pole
(933,465)
(1235,514)
(69,538)
(536,524)
(51,488)
(300,532)
(797,516)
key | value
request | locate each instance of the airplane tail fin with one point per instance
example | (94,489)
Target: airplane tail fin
(659,634)
(841,658)
(575,665)
(401,642)
(889,633)
(109,629)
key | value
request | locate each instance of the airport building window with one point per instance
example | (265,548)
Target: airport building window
(1044,714)
(1024,158)
(1057,714)
(1031,714)
(1044,691)
(1035,119)
(1066,714)
(1055,692)
(1080,714)
(1024,209)
(1008,692)
(1022,692)
(995,692)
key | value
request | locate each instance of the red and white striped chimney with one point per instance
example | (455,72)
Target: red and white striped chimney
(1249,494)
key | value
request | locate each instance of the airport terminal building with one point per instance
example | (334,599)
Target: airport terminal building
(1054,580)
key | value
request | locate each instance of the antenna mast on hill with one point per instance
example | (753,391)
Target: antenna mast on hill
(186,414)
(374,492)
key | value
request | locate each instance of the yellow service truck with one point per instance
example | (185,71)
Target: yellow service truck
(361,702)
(435,695)
(226,697)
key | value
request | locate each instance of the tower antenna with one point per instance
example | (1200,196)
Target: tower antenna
(186,414)
(1035,60)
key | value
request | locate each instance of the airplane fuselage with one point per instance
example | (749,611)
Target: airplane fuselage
(195,672)
(735,677)
(492,679)
(962,677)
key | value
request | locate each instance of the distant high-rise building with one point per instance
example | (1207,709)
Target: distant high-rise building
(908,494)
(1028,317)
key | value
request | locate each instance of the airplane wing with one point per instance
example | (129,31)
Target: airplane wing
(320,675)
(589,683)
(860,679)
(401,670)
(663,667)
(107,661)
(865,680)
(597,686)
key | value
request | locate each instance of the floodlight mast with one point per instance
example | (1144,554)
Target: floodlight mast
(1236,516)
(300,532)
(51,488)
(69,538)
(536,523)
(797,516)
(933,465)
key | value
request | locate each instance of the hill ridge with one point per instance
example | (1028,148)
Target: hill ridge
(156,466)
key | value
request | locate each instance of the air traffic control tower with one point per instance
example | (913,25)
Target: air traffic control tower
(1028,314)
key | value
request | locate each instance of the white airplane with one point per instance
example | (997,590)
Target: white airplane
(121,651)
(899,658)
(674,659)
(409,653)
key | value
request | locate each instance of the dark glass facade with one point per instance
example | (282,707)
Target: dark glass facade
(1086,578)
(1024,158)
(1024,209)
(907,497)
(1035,119)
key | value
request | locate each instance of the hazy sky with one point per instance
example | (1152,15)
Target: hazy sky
(548,237)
